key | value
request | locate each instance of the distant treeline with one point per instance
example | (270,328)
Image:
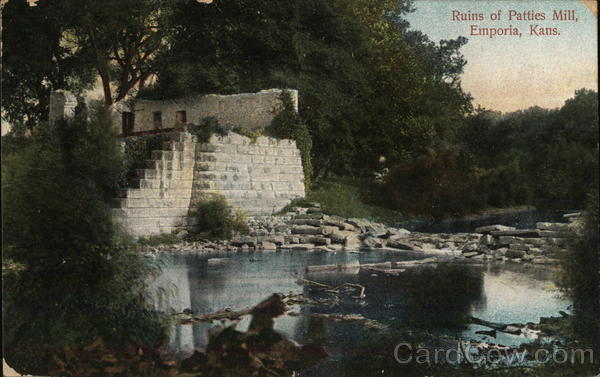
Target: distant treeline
(548,158)
(540,157)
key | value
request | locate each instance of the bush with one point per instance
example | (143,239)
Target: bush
(77,278)
(581,274)
(437,184)
(287,124)
(216,219)
(158,239)
(207,127)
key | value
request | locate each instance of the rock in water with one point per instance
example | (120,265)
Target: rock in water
(493,228)
(352,242)
(398,242)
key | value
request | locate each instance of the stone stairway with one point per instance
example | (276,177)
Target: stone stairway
(161,199)
(259,176)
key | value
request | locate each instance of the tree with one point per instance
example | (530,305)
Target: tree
(71,276)
(64,44)
(536,156)
(120,37)
(364,88)
(35,62)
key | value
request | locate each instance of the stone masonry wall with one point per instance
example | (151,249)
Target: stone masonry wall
(260,177)
(247,110)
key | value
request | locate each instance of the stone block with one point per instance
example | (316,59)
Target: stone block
(511,253)
(506,240)
(352,242)
(265,245)
(305,229)
(493,228)
(557,227)
(526,233)
(554,234)
(399,242)
(518,246)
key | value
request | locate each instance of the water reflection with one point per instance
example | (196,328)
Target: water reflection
(434,298)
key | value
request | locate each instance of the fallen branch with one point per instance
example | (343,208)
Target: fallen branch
(514,329)
(334,290)
(369,323)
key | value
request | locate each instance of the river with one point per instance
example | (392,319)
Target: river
(436,299)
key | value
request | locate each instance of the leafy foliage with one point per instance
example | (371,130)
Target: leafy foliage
(581,274)
(136,151)
(207,127)
(437,184)
(355,64)
(158,239)
(34,61)
(287,124)
(78,279)
(216,219)
(542,157)
(347,197)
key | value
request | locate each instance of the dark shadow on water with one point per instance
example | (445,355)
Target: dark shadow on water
(431,297)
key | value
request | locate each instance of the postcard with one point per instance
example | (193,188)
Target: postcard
(345,188)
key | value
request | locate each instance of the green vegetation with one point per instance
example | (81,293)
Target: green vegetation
(136,152)
(288,124)
(374,94)
(356,65)
(158,239)
(542,157)
(375,97)
(207,127)
(77,279)
(216,219)
(251,134)
(581,275)
(436,184)
(350,198)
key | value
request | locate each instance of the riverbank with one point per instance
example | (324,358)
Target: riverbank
(308,228)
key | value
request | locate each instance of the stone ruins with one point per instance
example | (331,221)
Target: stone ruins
(259,176)
(246,110)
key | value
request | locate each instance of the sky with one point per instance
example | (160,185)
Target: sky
(509,73)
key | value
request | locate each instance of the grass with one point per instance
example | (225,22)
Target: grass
(345,197)
(159,239)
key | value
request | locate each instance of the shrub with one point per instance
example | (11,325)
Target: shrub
(287,124)
(251,134)
(581,274)
(207,127)
(436,184)
(77,278)
(216,219)
(158,239)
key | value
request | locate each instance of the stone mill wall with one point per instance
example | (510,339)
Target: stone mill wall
(258,176)
(246,110)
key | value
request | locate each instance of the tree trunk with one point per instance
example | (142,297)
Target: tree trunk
(106,86)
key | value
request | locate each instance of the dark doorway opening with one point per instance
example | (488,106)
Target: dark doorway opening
(128,123)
